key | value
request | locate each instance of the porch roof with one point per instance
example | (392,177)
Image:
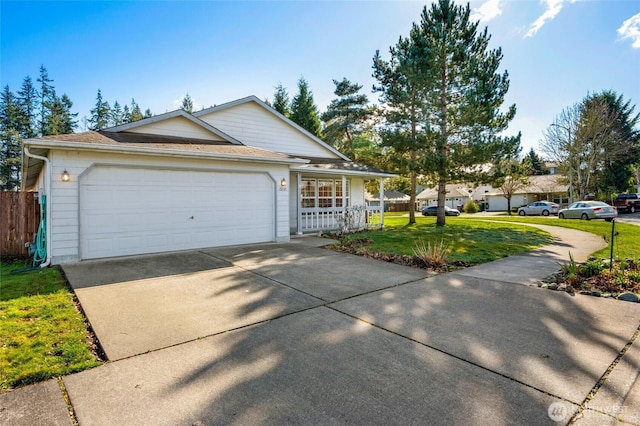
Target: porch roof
(340,167)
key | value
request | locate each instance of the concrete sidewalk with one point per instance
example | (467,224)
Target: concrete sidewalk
(290,333)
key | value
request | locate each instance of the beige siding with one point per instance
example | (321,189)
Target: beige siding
(357,192)
(177,126)
(253,126)
(64,218)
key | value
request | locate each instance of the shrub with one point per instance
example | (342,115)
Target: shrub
(435,254)
(593,268)
(471,207)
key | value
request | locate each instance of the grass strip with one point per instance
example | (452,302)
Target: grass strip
(43,335)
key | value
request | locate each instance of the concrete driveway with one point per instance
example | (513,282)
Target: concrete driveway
(293,333)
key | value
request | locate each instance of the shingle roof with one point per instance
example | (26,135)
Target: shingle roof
(338,165)
(161,142)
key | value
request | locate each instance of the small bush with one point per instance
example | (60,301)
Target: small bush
(471,207)
(435,254)
(593,268)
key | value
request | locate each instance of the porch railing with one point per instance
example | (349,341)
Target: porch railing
(329,219)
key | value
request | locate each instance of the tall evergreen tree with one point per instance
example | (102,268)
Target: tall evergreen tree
(304,111)
(100,114)
(47,97)
(448,61)
(187,104)
(126,114)
(11,119)
(281,100)
(60,119)
(623,155)
(402,94)
(536,167)
(117,115)
(136,113)
(346,116)
(27,97)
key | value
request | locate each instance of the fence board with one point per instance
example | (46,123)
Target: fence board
(19,220)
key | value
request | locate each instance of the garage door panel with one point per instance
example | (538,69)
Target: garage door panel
(128,211)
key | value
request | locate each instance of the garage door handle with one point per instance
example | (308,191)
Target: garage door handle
(191,217)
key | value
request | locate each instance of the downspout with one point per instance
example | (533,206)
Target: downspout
(47,189)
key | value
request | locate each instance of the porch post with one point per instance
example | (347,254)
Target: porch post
(344,193)
(299,203)
(381,202)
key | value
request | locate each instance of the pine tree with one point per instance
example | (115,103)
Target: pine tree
(60,119)
(47,97)
(100,114)
(402,95)
(136,113)
(536,166)
(304,112)
(27,98)
(117,115)
(448,62)
(187,104)
(126,114)
(147,113)
(281,100)
(622,156)
(11,118)
(346,116)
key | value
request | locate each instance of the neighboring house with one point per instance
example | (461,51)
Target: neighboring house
(393,201)
(457,196)
(540,188)
(235,173)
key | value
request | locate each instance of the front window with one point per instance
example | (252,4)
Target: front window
(323,193)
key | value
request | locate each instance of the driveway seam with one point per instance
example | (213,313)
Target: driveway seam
(326,302)
(454,356)
(594,390)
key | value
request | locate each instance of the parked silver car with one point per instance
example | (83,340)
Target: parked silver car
(539,208)
(587,210)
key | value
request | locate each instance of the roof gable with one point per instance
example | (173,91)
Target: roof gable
(177,123)
(257,124)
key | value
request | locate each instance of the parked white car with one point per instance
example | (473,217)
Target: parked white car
(587,210)
(543,208)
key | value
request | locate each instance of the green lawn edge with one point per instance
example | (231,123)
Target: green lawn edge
(43,333)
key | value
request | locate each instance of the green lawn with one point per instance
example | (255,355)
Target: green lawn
(42,333)
(470,241)
(626,242)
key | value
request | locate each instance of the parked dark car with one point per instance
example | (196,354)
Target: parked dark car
(433,211)
(627,203)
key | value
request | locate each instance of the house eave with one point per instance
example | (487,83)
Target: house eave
(314,171)
(75,146)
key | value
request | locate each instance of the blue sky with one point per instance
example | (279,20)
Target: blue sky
(556,51)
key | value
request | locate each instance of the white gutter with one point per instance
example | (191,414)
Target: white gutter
(47,190)
(127,149)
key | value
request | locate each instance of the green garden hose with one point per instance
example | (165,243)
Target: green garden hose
(40,253)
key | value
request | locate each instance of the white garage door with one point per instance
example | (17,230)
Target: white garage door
(126,211)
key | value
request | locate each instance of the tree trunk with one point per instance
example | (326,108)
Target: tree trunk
(412,197)
(442,196)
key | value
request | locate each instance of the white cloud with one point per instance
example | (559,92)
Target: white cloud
(552,8)
(630,29)
(487,11)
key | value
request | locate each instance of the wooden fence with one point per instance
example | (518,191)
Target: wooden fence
(19,220)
